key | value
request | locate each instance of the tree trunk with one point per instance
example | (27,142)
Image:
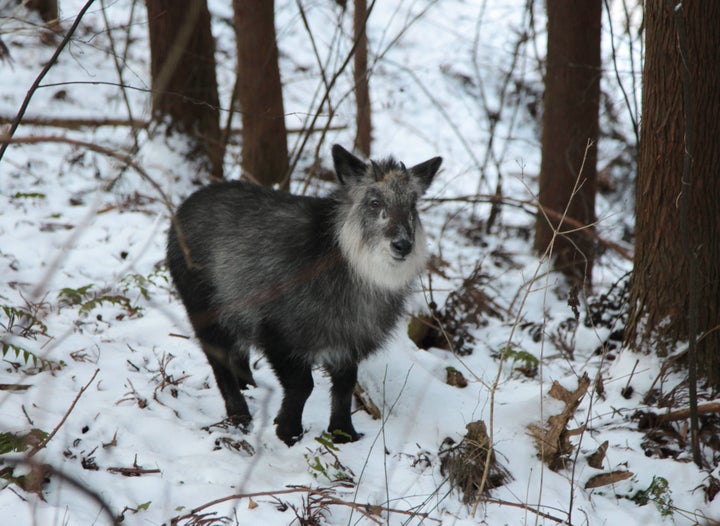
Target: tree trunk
(184,85)
(264,138)
(360,74)
(671,266)
(570,120)
(48,10)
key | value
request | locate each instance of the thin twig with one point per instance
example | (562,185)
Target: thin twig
(132,472)
(238,496)
(617,75)
(547,254)
(494,116)
(227,131)
(121,156)
(440,106)
(370,509)
(119,69)
(72,123)
(326,98)
(524,506)
(34,87)
(665,366)
(576,226)
(44,443)
(75,123)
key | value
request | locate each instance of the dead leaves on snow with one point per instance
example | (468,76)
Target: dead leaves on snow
(553,438)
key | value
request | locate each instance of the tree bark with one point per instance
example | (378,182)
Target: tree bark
(184,85)
(360,74)
(264,138)
(673,263)
(48,10)
(570,120)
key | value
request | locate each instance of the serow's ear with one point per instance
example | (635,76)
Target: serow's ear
(349,169)
(425,172)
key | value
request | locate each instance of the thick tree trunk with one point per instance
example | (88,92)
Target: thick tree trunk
(264,138)
(570,120)
(184,84)
(48,10)
(360,73)
(668,266)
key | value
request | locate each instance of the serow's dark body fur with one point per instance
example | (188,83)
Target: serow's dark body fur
(306,280)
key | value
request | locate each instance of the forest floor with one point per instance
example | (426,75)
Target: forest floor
(108,408)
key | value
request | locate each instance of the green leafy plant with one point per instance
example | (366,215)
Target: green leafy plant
(324,462)
(522,360)
(137,509)
(142,284)
(88,300)
(658,492)
(18,442)
(112,299)
(23,321)
(28,356)
(69,297)
(29,195)
(30,480)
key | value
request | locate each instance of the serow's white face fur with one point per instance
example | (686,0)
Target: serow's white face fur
(380,234)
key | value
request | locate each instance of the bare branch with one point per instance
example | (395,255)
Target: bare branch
(34,87)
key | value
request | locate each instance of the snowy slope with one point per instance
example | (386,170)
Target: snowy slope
(84,289)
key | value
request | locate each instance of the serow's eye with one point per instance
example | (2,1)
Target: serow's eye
(375,204)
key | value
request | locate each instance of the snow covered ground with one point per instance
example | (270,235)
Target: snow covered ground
(99,350)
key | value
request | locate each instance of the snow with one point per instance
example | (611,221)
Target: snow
(439,68)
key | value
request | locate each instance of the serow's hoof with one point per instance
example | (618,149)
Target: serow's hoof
(242,422)
(290,437)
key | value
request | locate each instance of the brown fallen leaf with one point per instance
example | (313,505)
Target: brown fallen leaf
(455,378)
(603,479)
(595,460)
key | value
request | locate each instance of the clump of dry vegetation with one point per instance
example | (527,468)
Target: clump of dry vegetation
(471,466)
(466,309)
(553,438)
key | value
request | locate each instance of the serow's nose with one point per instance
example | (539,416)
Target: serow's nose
(401,247)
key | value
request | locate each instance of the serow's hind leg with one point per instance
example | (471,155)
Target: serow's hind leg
(240,365)
(343,379)
(217,344)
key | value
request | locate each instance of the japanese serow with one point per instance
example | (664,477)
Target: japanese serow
(305,280)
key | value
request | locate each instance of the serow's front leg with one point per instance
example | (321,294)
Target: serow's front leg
(297,383)
(343,379)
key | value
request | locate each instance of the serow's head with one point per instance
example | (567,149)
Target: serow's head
(381,235)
